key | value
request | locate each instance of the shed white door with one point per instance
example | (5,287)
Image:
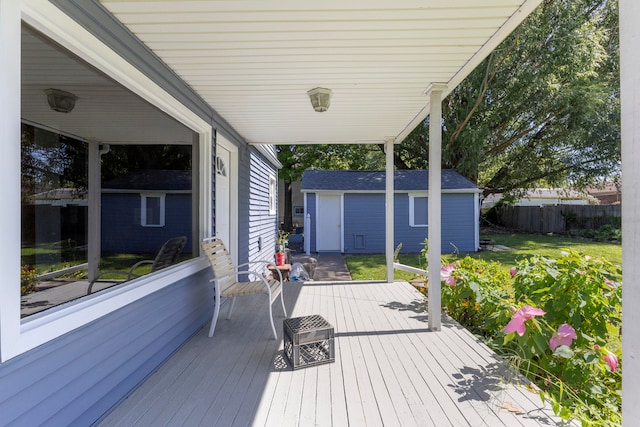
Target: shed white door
(223,200)
(329,228)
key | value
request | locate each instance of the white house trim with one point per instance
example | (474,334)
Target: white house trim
(630,104)
(435,205)
(18,336)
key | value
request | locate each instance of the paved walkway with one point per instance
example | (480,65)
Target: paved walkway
(324,267)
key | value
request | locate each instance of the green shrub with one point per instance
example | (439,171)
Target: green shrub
(477,295)
(558,320)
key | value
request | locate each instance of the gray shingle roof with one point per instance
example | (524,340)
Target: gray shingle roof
(404,180)
(151,179)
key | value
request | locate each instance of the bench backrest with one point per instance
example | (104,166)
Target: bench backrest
(220,261)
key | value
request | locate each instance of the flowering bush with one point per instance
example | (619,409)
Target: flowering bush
(558,320)
(476,293)
(28,279)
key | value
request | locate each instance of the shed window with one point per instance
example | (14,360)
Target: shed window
(417,211)
(298,210)
(152,210)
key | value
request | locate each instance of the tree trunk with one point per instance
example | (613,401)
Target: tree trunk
(288,208)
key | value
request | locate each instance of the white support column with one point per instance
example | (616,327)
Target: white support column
(630,103)
(10,174)
(94,199)
(389,199)
(434,205)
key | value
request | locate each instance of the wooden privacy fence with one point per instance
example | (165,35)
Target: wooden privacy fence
(558,219)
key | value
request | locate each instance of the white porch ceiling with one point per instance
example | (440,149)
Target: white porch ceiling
(253,61)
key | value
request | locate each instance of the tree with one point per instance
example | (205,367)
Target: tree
(295,159)
(543,108)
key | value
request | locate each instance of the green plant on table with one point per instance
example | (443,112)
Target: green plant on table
(282,240)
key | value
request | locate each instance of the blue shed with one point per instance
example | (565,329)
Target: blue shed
(144,208)
(347,211)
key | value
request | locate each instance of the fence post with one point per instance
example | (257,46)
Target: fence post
(307,234)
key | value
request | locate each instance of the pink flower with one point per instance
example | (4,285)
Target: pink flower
(610,284)
(565,336)
(517,321)
(513,271)
(587,257)
(596,347)
(612,360)
(445,273)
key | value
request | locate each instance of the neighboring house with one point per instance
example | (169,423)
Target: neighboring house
(347,211)
(144,208)
(609,194)
(544,197)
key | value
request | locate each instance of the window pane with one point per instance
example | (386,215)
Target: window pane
(152,211)
(54,204)
(136,148)
(420,210)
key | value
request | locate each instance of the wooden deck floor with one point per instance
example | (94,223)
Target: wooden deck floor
(390,370)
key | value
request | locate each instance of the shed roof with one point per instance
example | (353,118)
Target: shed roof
(404,180)
(151,179)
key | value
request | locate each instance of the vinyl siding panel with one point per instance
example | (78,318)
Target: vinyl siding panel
(364,222)
(77,378)
(255,221)
(458,223)
(122,231)
(412,238)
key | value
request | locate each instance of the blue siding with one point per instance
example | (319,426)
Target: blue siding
(412,238)
(364,223)
(458,223)
(255,221)
(121,229)
(77,378)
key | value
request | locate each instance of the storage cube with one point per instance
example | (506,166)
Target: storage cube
(308,341)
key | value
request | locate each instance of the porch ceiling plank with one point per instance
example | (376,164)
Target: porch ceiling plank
(277,50)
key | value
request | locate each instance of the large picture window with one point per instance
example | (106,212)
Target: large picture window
(144,195)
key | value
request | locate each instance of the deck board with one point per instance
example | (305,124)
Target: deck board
(390,370)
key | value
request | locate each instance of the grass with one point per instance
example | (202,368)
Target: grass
(372,267)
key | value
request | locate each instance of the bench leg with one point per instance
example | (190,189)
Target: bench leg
(216,312)
(275,335)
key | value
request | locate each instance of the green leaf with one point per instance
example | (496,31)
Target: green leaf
(508,337)
(563,351)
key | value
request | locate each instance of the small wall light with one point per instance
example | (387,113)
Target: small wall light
(61,101)
(320,98)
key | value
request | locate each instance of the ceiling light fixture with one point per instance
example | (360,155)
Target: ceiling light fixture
(320,98)
(61,101)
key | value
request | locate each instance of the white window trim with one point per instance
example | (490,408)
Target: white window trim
(273,191)
(412,222)
(20,335)
(143,209)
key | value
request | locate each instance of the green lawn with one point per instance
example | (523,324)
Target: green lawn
(372,267)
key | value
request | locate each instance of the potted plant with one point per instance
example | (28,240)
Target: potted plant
(281,241)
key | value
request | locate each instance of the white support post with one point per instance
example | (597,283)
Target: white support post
(434,204)
(630,103)
(10,173)
(94,199)
(389,199)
